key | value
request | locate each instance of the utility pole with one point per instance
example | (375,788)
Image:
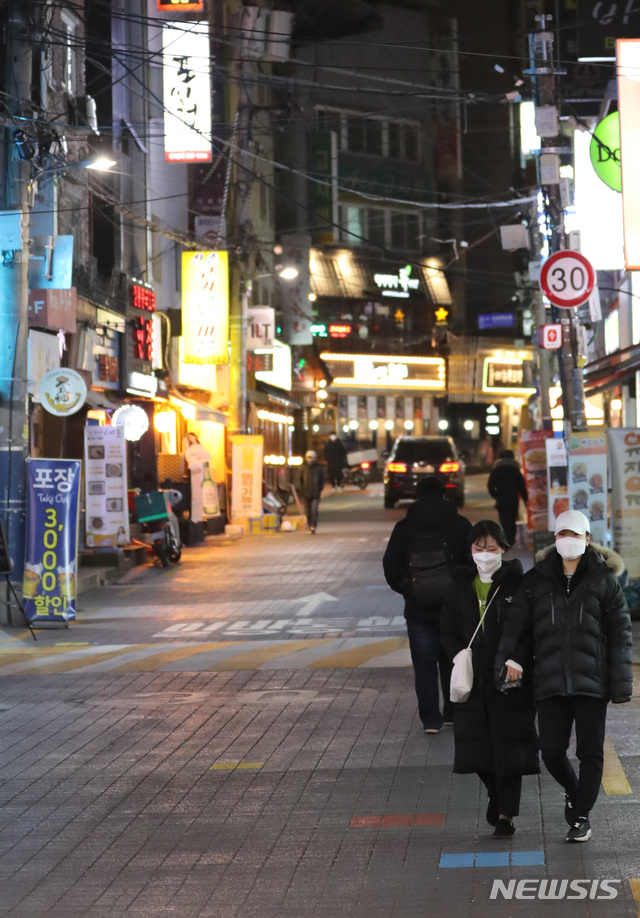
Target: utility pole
(14,291)
(551,146)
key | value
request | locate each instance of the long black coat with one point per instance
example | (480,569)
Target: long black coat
(582,640)
(312,480)
(493,731)
(506,484)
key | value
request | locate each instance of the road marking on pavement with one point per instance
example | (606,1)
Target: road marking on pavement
(232,766)
(66,664)
(634,883)
(493,859)
(614,780)
(253,658)
(359,655)
(158,660)
(400,819)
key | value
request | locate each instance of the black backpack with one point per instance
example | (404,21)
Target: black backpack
(430,569)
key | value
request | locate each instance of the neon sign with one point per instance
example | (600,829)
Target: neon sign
(398,285)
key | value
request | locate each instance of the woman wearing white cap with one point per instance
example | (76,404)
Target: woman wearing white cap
(572,604)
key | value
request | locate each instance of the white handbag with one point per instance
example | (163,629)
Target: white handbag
(462,672)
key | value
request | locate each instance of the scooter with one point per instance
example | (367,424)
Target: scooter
(160,524)
(357,475)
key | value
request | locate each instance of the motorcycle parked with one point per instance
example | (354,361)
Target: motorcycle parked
(357,475)
(160,524)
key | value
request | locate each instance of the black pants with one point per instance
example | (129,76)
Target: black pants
(335,476)
(508,517)
(429,660)
(556,716)
(313,506)
(506,790)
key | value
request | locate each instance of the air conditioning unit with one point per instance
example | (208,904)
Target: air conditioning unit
(84,113)
(278,44)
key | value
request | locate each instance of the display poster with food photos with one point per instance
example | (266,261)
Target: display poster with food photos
(588,479)
(533,455)
(624,448)
(106,498)
(557,479)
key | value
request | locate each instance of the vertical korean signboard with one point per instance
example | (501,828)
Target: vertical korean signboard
(204,344)
(246,499)
(51,550)
(106,499)
(588,480)
(187,92)
(624,447)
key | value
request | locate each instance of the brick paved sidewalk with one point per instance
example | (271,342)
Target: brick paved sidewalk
(309,794)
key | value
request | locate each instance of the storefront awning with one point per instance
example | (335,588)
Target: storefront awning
(100,400)
(277,395)
(192,409)
(614,370)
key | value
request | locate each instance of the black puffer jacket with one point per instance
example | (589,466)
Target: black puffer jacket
(427,516)
(582,639)
(493,731)
(506,484)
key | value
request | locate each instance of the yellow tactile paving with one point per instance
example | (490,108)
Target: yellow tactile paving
(67,665)
(614,780)
(232,766)
(254,658)
(358,655)
(158,660)
(634,883)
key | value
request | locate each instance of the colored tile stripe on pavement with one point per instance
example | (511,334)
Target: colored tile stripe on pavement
(614,780)
(398,819)
(232,766)
(634,883)
(493,859)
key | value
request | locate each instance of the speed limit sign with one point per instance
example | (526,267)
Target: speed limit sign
(567,279)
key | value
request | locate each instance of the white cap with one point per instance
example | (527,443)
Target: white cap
(310,455)
(574,520)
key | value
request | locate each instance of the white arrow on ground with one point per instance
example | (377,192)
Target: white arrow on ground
(312,602)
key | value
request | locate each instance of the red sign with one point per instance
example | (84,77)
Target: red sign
(550,336)
(339,331)
(143,339)
(53,308)
(567,279)
(142,298)
(167,6)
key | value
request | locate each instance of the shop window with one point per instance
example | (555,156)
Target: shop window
(405,231)
(376,228)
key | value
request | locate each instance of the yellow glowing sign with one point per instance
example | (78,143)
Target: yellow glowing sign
(441,315)
(205,317)
(504,375)
(381,371)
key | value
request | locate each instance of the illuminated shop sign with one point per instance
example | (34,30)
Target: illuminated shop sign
(339,331)
(142,297)
(319,331)
(187,92)
(185,6)
(398,285)
(504,376)
(205,317)
(280,373)
(383,371)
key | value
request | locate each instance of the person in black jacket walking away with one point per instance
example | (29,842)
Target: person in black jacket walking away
(572,604)
(418,563)
(494,731)
(312,485)
(507,485)
(335,455)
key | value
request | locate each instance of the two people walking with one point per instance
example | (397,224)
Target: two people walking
(555,642)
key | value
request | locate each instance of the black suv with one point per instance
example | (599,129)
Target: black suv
(414,457)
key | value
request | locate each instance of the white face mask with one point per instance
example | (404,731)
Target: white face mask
(487,562)
(570,548)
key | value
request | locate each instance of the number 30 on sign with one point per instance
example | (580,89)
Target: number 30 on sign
(567,279)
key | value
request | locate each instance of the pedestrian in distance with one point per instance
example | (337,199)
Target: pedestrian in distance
(418,563)
(494,729)
(312,485)
(507,485)
(572,606)
(335,455)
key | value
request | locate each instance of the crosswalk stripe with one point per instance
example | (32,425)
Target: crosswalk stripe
(253,658)
(78,661)
(358,655)
(158,660)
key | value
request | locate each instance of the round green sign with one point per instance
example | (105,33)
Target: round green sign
(604,151)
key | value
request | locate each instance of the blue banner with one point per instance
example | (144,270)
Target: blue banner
(51,551)
(496,320)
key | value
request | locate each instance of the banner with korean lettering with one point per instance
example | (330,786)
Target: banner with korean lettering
(624,450)
(246,492)
(531,445)
(51,550)
(588,479)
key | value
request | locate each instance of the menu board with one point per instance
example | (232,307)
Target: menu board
(531,445)
(588,479)
(557,479)
(106,498)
